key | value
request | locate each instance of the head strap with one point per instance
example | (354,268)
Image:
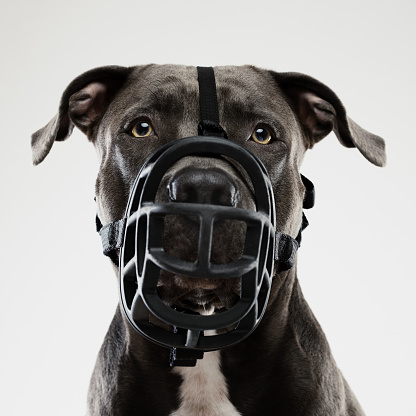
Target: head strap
(208,104)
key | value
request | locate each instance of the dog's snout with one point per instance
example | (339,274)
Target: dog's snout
(203,186)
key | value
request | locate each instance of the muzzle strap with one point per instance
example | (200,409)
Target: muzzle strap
(286,246)
(208,104)
(285,251)
(112,236)
(309,199)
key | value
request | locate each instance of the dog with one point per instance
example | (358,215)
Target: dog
(285,366)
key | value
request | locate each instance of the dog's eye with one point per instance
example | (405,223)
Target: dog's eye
(262,135)
(142,129)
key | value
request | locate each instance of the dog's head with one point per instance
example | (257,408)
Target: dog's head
(129,113)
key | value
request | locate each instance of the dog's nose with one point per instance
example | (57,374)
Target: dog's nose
(203,186)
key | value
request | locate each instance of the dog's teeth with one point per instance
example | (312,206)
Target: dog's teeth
(207,311)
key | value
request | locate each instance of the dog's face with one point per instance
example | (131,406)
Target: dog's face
(161,105)
(129,113)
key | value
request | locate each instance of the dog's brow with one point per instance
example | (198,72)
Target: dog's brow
(158,99)
(152,92)
(133,113)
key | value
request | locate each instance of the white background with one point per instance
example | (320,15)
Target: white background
(356,266)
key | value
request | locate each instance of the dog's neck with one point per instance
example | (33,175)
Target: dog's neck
(204,389)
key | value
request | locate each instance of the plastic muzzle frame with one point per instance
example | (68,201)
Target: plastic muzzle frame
(143,257)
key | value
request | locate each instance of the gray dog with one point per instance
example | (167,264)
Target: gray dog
(285,366)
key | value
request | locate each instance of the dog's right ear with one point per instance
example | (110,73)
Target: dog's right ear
(83,103)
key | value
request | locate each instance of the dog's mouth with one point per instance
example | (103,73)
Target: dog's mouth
(198,295)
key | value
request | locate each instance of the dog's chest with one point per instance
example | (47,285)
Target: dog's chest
(204,390)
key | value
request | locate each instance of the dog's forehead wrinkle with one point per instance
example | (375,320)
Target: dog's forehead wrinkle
(245,86)
(176,83)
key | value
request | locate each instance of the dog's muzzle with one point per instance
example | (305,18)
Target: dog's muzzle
(143,257)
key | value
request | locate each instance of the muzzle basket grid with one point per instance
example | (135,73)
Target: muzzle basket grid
(143,257)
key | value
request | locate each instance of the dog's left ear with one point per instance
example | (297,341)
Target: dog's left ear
(83,103)
(320,111)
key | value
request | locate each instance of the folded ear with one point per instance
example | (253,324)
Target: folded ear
(83,103)
(320,111)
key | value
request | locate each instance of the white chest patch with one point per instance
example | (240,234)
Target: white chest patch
(204,391)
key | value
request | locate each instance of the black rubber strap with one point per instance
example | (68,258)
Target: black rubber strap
(181,357)
(309,199)
(286,246)
(285,251)
(112,236)
(208,104)
(112,239)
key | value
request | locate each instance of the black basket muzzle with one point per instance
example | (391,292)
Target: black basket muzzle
(142,256)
